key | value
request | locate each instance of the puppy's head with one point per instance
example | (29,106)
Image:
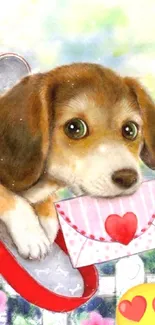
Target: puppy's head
(102,123)
(88,126)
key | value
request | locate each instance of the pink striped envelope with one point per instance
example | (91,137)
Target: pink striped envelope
(98,230)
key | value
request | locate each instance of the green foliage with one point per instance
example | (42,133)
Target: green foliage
(114,17)
(149,260)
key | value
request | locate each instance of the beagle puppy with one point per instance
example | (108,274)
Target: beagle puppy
(81,126)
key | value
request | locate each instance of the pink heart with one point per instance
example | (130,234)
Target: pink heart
(72,242)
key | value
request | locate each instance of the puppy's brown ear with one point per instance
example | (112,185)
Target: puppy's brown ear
(21,134)
(147,109)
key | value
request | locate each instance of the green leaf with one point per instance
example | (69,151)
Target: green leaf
(19,320)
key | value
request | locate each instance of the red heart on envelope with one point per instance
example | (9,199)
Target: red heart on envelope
(121,229)
(35,293)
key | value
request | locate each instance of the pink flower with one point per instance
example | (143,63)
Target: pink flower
(96,319)
(3,300)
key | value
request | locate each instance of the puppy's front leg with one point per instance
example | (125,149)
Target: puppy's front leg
(48,217)
(23,225)
(41,196)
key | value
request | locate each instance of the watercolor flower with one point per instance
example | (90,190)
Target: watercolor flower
(96,319)
(3,301)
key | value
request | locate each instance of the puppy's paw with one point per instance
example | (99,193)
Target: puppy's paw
(51,227)
(26,231)
(32,244)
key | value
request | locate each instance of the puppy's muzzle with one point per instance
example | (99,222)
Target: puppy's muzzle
(125,178)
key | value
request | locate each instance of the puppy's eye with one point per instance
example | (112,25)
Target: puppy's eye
(76,129)
(130,130)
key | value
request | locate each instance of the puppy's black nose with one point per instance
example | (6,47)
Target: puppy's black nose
(125,178)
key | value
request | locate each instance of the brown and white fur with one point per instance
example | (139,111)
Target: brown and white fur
(37,157)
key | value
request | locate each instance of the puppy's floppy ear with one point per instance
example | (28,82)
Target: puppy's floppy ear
(21,136)
(147,109)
